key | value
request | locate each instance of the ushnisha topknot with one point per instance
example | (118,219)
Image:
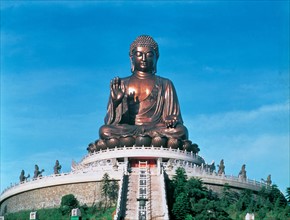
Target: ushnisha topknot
(144,41)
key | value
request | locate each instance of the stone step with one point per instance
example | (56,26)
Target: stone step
(156,198)
(155,205)
(131,206)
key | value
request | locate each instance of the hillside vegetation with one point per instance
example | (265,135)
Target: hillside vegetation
(189,199)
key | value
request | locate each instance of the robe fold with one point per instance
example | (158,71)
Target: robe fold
(145,117)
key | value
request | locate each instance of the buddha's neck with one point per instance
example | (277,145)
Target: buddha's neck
(143,75)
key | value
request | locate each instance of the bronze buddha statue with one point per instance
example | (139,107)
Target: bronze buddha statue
(143,108)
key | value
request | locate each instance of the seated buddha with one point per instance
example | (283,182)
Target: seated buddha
(143,108)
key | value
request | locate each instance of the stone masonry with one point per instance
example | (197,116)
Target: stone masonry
(48,197)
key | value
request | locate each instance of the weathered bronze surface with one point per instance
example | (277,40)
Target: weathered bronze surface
(37,172)
(269,181)
(221,169)
(243,173)
(22,176)
(143,108)
(57,167)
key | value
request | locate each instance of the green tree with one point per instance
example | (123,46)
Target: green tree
(276,197)
(113,191)
(262,199)
(195,189)
(181,206)
(228,197)
(210,209)
(179,181)
(262,212)
(169,194)
(68,202)
(106,189)
(246,198)
(190,200)
(288,195)
(204,205)
(188,217)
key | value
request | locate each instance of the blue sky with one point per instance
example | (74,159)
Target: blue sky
(229,62)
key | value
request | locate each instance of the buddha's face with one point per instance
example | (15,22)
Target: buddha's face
(144,59)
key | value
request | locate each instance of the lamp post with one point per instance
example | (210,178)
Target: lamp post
(142,203)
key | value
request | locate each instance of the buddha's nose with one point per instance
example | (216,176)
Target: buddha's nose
(144,57)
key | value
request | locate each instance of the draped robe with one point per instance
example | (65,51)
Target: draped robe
(145,117)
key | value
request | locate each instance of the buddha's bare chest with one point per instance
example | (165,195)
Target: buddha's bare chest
(141,87)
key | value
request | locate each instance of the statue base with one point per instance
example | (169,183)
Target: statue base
(143,140)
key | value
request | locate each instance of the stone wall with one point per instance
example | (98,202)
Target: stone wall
(48,197)
(214,181)
(85,183)
(219,188)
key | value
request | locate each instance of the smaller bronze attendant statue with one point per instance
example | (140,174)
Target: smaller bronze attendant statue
(221,170)
(57,167)
(22,176)
(243,173)
(37,172)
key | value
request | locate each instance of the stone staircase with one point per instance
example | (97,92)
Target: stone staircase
(156,207)
(131,212)
(157,202)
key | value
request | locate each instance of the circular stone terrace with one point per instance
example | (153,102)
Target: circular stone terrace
(117,161)
(142,153)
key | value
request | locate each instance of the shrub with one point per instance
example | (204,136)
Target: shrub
(68,202)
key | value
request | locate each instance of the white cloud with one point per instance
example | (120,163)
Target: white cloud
(269,115)
(258,138)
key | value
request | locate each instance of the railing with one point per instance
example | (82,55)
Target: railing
(206,175)
(121,200)
(141,150)
(80,175)
(163,191)
(83,169)
(149,202)
(140,147)
(143,192)
(35,179)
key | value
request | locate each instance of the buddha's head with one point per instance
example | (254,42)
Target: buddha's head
(144,54)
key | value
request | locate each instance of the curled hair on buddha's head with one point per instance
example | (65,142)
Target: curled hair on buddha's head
(144,41)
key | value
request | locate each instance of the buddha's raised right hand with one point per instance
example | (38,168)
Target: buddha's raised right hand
(117,90)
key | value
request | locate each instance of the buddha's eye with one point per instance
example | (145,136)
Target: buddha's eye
(138,53)
(149,54)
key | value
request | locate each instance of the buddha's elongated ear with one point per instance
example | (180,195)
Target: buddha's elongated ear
(155,67)
(132,64)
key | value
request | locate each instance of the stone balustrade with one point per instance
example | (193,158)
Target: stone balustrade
(212,178)
(88,174)
(136,151)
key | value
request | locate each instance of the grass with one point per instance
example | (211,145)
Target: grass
(90,213)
